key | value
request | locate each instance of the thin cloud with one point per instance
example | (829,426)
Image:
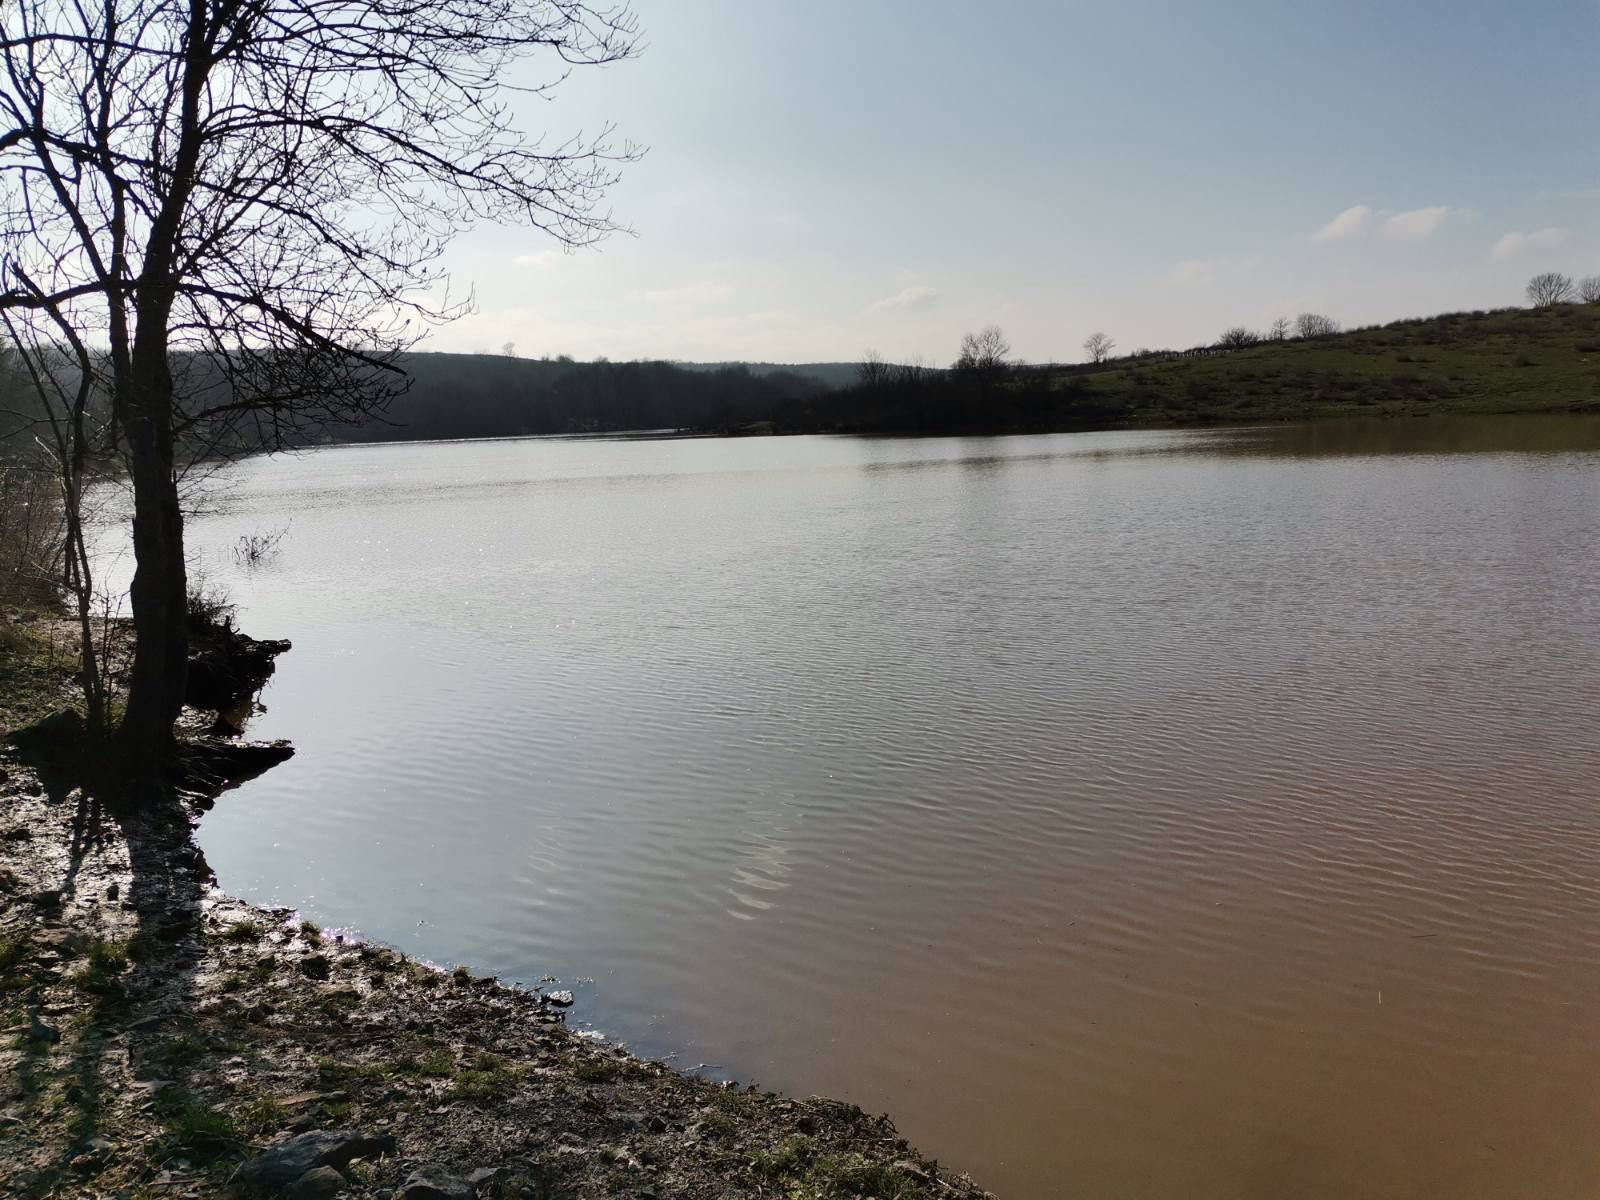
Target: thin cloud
(541,258)
(1193,272)
(911,299)
(1350,223)
(1416,225)
(1516,243)
(705,292)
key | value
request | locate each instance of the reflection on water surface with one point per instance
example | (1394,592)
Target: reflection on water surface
(1132,814)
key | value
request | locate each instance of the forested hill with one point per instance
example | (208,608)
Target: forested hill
(485,395)
(1504,361)
(1507,360)
(1510,360)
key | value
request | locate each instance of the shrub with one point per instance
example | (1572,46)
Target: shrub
(209,605)
(254,549)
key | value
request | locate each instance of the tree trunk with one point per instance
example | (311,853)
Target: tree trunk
(159,594)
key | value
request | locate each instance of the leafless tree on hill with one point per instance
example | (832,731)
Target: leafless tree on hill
(1314,325)
(1549,288)
(985,350)
(1098,346)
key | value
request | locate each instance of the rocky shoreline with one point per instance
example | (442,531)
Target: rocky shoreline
(159,1038)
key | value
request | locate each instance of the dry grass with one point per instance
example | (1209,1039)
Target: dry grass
(31,531)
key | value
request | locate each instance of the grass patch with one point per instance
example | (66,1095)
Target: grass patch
(261,1115)
(102,969)
(145,946)
(334,1072)
(16,957)
(597,1070)
(193,1129)
(435,1064)
(311,932)
(852,1175)
(245,931)
(485,1079)
(100,976)
(35,673)
(805,1173)
(171,1057)
(793,1157)
(340,1002)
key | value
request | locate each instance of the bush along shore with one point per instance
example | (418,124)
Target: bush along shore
(161,1039)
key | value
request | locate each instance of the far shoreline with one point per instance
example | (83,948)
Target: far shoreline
(1343,420)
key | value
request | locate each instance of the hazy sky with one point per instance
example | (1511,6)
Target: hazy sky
(837,174)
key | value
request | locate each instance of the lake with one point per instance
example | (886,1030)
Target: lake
(1206,814)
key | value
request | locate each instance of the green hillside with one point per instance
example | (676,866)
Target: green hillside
(1511,360)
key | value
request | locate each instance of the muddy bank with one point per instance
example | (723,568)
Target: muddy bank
(163,1039)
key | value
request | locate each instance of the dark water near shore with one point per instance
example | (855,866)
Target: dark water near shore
(1130,814)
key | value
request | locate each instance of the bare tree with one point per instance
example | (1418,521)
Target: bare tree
(1237,338)
(60,372)
(872,370)
(244,201)
(1589,289)
(32,527)
(910,375)
(1278,331)
(1551,287)
(1098,346)
(1314,325)
(986,350)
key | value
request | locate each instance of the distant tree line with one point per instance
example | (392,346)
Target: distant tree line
(1098,347)
(485,395)
(986,389)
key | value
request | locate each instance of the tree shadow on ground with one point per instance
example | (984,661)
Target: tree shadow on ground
(110,961)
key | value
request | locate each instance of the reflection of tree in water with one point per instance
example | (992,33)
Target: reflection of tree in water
(1542,433)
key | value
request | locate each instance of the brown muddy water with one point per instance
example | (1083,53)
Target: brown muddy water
(1129,814)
